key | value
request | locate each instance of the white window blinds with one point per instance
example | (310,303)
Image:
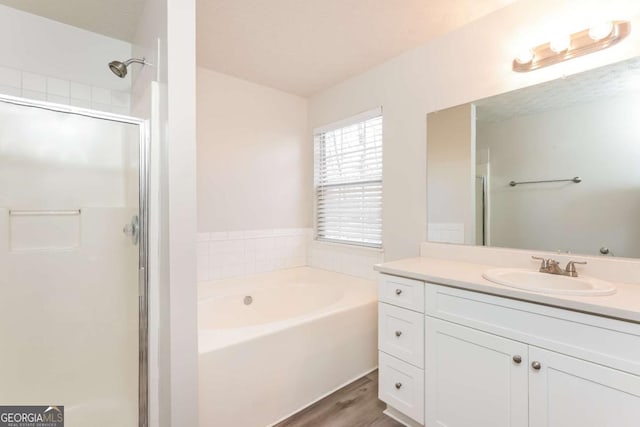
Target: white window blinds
(348,177)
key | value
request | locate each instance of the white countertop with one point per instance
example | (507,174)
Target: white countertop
(624,304)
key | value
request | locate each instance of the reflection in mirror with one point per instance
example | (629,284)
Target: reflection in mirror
(585,126)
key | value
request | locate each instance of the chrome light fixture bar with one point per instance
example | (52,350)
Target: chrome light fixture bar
(569,47)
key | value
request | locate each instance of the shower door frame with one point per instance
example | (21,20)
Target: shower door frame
(143,241)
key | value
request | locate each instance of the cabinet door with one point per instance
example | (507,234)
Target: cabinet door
(474,379)
(569,392)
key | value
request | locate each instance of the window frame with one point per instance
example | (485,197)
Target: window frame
(358,118)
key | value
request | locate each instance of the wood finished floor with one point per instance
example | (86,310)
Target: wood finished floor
(354,405)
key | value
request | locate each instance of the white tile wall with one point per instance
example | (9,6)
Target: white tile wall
(223,255)
(10,77)
(58,87)
(446,232)
(80,91)
(15,82)
(352,260)
(34,82)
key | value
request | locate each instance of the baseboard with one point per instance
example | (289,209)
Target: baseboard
(400,417)
(357,377)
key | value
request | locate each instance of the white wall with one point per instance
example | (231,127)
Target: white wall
(598,141)
(181,154)
(49,61)
(165,94)
(471,63)
(255,158)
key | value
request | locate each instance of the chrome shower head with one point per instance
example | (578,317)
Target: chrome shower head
(119,68)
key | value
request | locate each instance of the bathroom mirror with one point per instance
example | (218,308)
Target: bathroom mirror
(554,166)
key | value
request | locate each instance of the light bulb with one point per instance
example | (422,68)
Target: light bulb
(601,30)
(560,43)
(524,56)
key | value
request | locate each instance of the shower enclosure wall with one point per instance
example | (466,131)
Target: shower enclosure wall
(73,256)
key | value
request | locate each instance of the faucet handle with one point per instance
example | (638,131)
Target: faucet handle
(570,269)
(544,264)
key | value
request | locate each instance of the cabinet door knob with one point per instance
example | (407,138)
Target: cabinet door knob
(398,291)
(398,386)
(517,359)
(536,365)
(398,333)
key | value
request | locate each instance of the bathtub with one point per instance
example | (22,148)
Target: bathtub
(303,334)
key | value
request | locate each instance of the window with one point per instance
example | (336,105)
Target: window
(348,180)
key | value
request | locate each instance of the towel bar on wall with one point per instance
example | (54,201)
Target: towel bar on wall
(45,213)
(575,179)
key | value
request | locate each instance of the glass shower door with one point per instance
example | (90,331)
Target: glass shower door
(69,283)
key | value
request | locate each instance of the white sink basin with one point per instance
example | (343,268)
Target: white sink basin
(549,283)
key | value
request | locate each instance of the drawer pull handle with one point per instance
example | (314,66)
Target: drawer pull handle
(536,365)
(398,333)
(398,386)
(517,359)
(398,291)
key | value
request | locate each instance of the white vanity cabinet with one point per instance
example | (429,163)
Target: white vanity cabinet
(567,391)
(498,362)
(473,378)
(401,347)
(477,379)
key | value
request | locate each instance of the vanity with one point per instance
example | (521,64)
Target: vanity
(457,350)
(472,334)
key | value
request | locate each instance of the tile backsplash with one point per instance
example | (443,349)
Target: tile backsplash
(39,87)
(222,255)
(446,232)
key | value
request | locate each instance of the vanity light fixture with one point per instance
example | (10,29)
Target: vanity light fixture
(560,43)
(601,30)
(565,47)
(525,56)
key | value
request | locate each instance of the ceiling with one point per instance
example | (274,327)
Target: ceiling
(304,46)
(113,18)
(298,46)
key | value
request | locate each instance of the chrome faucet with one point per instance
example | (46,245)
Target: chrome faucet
(551,266)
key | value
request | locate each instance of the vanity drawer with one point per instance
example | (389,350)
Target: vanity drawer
(401,386)
(401,333)
(402,292)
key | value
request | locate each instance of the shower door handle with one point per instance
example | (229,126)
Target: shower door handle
(133,229)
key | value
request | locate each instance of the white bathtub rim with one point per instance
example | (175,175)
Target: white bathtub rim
(210,339)
(357,377)
(231,286)
(357,292)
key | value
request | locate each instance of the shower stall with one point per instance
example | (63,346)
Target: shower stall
(73,262)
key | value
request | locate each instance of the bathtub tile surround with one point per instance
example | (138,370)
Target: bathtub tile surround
(39,87)
(346,259)
(223,255)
